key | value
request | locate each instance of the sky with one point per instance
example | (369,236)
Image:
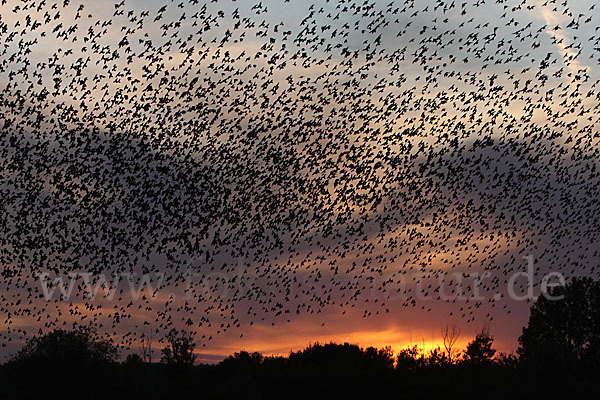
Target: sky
(271,174)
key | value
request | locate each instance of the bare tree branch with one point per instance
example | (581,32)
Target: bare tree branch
(450,334)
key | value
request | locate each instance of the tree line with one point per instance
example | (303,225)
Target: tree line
(559,352)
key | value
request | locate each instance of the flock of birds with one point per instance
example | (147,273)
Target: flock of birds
(271,161)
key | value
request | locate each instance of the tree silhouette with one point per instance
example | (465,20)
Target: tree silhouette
(480,351)
(437,358)
(67,347)
(343,355)
(450,334)
(84,364)
(133,359)
(244,359)
(180,349)
(146,347)
(78,355)
(409,360)
(564,328)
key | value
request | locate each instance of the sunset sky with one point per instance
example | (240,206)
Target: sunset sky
(278,173)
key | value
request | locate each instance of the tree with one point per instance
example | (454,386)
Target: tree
(146,347)
(382,357)
(133,359)
(450,334)
(409,359)
(479,350)
(80,356)
(180,349)
(76,347)
(564,328)
(437,358)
